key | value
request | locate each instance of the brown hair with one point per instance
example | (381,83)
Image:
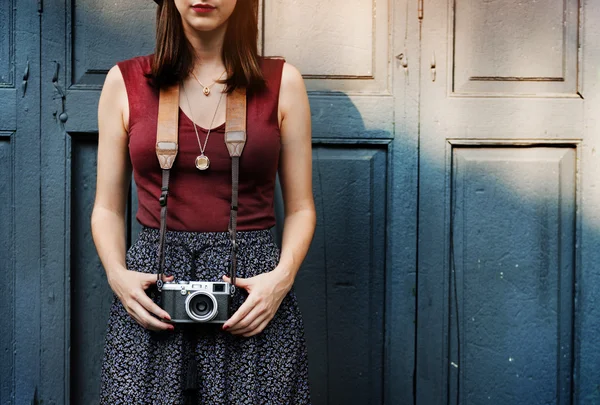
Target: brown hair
(174,55)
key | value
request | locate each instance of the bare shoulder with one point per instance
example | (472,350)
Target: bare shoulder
(294,108)
(291,80)
(113,98)
(114,83)
(292,93)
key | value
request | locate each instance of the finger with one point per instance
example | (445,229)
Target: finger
(248,320)
(133,315)
(239,282)
(151,306)
(150,279)
(260,328)
(252,326)
(146,320)
(240,313)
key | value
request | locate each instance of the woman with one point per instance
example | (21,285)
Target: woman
(258,356)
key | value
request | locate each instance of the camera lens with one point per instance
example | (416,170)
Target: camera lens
(201,306)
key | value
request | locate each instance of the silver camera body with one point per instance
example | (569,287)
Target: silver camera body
(197,301)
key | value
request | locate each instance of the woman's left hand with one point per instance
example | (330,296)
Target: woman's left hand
(265,293)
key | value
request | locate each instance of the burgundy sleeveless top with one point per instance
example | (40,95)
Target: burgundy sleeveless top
(200,201)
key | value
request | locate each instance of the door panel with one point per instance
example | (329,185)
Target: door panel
(100,33)
(498,190)
(8,111)
(341,284)
(323,57)
(511,274)
(343,45)
(514,48)
(103,32)
(89,291)
(7,298)
(7,20)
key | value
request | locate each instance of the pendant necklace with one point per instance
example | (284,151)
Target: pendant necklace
(202,161)
(206,89)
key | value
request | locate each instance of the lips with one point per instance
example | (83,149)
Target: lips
(203,7)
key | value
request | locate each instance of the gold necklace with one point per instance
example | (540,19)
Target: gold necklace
(202,162)
(206,89)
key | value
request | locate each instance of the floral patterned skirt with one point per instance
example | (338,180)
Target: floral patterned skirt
(146,367)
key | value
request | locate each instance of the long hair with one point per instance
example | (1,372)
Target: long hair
(174,55)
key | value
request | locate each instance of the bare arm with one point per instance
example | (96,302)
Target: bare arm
(108,215)
(266,291)
(295,173)
(113,174)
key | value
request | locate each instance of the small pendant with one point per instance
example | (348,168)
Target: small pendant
(202,162)
(206,91)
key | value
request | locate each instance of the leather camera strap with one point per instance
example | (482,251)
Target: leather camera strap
(235,139)
(166,150)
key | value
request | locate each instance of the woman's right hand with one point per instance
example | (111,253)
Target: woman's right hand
(130,287)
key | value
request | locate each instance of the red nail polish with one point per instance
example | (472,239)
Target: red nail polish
(225,327)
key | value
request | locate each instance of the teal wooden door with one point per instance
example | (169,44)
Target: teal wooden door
(507,207)
(20,244)
(455,160)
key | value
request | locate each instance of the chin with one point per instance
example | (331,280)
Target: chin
(203,26)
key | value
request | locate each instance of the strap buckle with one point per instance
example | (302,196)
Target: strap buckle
(163,200)
(163,197)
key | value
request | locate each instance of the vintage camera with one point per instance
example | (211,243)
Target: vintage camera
(197,301)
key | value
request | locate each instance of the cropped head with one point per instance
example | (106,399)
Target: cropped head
(174,56)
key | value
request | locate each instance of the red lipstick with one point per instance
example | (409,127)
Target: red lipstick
(203,8)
